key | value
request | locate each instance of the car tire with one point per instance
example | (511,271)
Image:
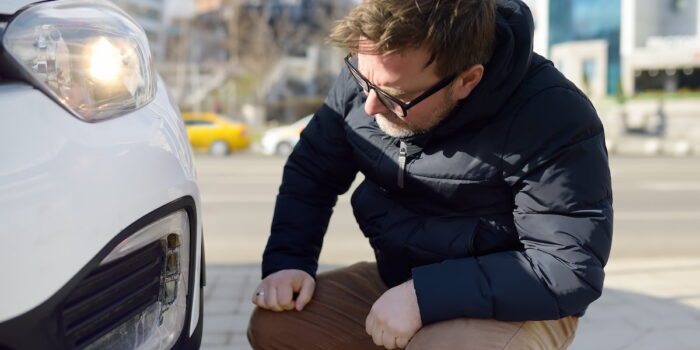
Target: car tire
(219,148)
(284,149)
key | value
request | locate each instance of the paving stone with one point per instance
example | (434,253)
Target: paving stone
(221,347)
(245,307)
(604,338)
(646,305)
(216,307)
(679,339)
(228,293)
(226,323)
(216,338)
(240,340)
(241,346)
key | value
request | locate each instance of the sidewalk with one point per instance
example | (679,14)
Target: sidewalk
(647,305)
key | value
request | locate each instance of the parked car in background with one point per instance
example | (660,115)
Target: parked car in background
(215,133)
(281,140)
(101,237)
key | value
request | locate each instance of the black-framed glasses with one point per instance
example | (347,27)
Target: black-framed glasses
(390,102)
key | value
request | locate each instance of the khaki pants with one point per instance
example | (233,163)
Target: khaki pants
(335,320)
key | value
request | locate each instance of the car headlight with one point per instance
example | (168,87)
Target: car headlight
(88,55)
(137,297)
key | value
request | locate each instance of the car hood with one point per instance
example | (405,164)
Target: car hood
(8,7)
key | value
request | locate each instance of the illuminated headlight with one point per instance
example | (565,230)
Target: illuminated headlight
(88,55)
(137,297)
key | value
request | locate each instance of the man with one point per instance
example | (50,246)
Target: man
(486,192)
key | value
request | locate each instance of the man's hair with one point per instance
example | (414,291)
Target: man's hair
(458,34)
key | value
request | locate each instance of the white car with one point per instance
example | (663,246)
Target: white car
(281,141)
(101,237)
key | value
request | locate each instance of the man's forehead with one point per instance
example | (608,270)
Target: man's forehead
(412,60)
(397,71)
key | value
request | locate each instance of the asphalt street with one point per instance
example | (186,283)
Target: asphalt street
(656,201)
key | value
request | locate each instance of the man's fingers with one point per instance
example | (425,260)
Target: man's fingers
(259,297)
(259,301)
(284,297)
(267,297)
(369,324)
(256,297)
(402,342)
(388,340)
(278,290)
(305,293)
(271,299)
(377,336)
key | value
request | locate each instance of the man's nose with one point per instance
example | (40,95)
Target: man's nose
(373,105)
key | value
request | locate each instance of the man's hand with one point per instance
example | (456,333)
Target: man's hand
(394,317)
(276,291)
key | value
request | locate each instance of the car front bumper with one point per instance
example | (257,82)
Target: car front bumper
(70,191)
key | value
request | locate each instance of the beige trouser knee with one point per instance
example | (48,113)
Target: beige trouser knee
(335,320)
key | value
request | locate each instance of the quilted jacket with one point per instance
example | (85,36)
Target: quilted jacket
(503,211)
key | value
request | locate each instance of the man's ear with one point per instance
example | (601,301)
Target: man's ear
(466,81)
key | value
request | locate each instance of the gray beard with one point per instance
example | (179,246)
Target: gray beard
(396,127)
(392,129)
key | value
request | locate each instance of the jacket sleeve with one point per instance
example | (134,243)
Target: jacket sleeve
(556,164)
(319,169)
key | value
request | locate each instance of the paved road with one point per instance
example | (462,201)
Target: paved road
(657,209)
(238,195)
(652,295)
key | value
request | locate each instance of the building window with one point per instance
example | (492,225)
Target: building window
(679,5)
(667,80)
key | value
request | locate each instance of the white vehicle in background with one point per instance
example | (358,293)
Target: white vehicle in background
(281,140)
(101,238)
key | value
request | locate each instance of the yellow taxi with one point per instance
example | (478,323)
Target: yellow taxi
(215,133)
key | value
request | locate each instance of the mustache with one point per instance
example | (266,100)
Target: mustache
(392,117)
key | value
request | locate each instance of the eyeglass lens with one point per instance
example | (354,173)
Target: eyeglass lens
(386,101)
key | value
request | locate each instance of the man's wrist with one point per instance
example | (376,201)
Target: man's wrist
(451,289)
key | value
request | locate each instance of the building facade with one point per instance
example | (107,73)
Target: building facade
(155,16)
(660,46)
(584,42)
(653,46)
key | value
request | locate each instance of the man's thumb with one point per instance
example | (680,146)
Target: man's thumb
(305,294)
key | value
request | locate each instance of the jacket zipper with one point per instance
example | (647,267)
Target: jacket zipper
(402,163)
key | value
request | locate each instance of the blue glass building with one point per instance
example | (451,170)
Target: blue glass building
(576,20)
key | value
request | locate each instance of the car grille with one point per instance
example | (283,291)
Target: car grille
(112,294)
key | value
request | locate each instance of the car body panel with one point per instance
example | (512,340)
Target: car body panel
(288,134)
(8,7)
(68,187)
(204,129)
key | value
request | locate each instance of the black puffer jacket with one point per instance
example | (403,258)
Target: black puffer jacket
(505,210)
